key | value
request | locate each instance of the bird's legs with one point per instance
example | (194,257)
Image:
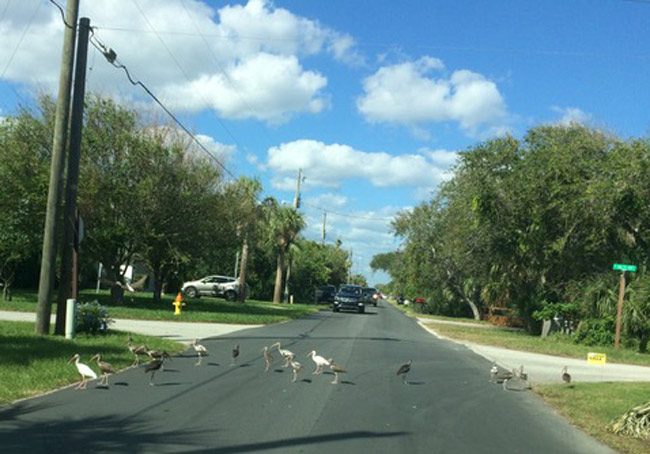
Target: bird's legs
(295,376)
(198,363)
(336,379)
(82,383)
(404,379)
(151,383)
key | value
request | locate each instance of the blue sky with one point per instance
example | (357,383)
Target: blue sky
(373,99)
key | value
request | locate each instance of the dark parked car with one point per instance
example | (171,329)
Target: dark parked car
(370,296)
(325,294)
(349,297)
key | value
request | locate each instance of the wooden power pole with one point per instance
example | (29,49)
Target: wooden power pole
(48,258)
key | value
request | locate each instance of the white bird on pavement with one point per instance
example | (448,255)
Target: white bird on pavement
(268,358)
(337,370)
(319,361)
(295,367)
(286,354)
(200,350)
(84,371)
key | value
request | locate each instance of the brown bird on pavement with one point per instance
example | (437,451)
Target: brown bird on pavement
(566,377)
(104,367)
(403,370)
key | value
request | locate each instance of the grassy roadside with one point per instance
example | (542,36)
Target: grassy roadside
(32,364)
(139,306)
(583,404)
(589,406)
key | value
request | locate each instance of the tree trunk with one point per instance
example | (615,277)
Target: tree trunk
(473,307)
(157,289)
(277,290)
(242,272)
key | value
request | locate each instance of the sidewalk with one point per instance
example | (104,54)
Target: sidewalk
(178,331)
(544,369)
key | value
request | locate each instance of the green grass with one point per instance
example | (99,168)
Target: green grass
(557,345)
(32,364)
(140,306)
(592,406)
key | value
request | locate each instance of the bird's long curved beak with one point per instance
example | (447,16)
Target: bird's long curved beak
(71,359)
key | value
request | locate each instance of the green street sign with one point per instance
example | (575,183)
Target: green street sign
(624,267)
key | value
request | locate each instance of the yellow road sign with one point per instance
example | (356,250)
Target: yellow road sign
(596,358)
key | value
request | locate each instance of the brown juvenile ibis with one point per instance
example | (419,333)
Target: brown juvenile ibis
(200,350)
(403,370)
(337,370)
(235,354)
(84,371)
(566,377)
(286,354)
(268,358)
(104,367)
(137,350)
(295,368)
(154,365)
(319,361)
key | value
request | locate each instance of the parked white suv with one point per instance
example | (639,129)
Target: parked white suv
(223,286)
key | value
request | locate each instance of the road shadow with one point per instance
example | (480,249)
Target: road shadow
(303,441)
(306,380)
(213,364)
(346,382)
(22,431)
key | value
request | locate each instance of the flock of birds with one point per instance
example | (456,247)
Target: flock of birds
(517,379)
(157,359)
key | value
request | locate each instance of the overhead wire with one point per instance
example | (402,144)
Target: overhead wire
(111,57)
(180,67)
(20,41)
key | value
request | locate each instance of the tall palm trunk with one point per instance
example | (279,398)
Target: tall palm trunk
(277,290)
(242,271)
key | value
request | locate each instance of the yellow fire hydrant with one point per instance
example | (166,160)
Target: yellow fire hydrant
(178,302)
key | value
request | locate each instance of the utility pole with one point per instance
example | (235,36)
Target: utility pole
(48,257)
(69,253)
(296,200)
(323,233)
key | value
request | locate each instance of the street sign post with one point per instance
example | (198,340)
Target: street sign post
(622,267)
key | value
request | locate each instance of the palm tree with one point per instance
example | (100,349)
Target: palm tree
(284,224)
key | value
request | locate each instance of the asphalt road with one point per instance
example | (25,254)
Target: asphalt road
(449,404)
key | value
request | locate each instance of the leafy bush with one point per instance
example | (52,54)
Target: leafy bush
(595,331)
(92,318)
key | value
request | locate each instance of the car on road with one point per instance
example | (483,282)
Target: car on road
(325,294)
(221,286)
(349,297)
(370,295)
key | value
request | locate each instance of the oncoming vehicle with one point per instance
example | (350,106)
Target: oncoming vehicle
(325,294)
(370,296)
(349,297)
(222,286)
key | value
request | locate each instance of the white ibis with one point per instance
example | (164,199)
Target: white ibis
(155,365)
(235,354)
(295,368)
(319,361)
(337,370)
(403,370)
(200,350)
(137,350)
(268,358)
(566,377)
(286,354)
(84,371)
(104,367)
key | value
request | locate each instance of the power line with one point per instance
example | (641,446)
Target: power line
(20,41)
(111,57)
(180,68)
(346,215)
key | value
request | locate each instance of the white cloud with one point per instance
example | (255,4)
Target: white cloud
(286,89)
(219,150)
(569,115)
(241,60)
(328,165)
(406,94)
(329,200)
